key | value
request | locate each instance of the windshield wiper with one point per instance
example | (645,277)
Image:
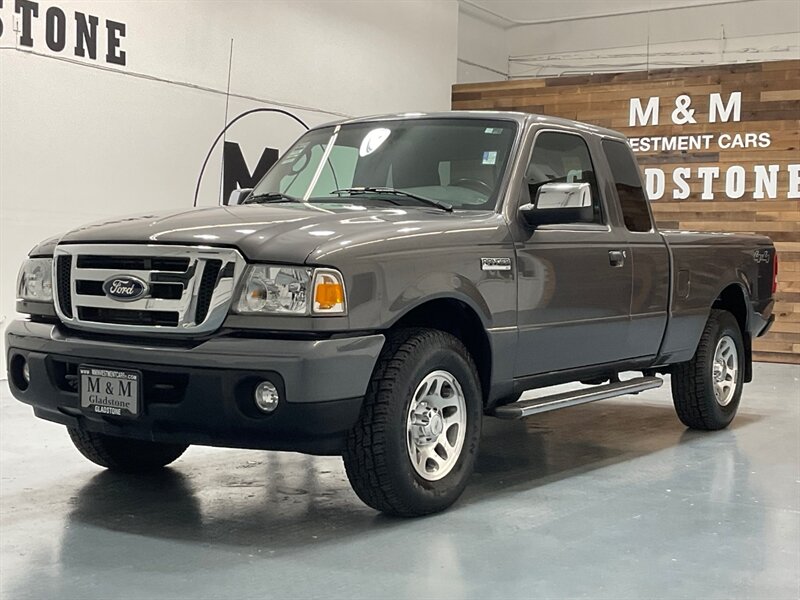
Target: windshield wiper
(272,197)
(388,190)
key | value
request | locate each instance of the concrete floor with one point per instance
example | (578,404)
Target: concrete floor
(609,500)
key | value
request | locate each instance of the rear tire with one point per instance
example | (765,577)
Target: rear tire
(123,454)
(707,389)
(414,445)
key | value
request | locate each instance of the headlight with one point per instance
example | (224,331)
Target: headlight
(275,289)
(35,281)
(287,290)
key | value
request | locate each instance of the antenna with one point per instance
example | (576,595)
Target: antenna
(228,126)
(227,102)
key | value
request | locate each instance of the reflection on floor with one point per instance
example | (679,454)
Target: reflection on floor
(609,500)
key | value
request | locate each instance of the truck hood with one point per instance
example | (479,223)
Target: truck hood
(275,232)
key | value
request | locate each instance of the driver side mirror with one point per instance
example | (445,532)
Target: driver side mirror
(237,196)
(559,203)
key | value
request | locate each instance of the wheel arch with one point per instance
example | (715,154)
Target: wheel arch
(459,317)
(733,299)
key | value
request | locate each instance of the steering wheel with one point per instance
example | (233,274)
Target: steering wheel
(476,185)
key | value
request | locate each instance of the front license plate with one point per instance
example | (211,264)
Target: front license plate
(107,391)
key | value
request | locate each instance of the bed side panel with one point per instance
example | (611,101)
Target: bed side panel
(704,264)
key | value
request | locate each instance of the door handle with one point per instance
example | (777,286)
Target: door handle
(617,258)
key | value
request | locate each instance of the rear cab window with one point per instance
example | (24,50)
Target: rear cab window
(628,183)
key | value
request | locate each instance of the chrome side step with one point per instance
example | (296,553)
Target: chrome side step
(525,408)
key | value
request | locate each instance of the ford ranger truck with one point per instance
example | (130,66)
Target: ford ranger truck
(389,283)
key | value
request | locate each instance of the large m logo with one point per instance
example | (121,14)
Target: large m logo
(235,173)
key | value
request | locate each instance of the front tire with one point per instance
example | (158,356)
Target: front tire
(123,454)
(707,389)
(414,446)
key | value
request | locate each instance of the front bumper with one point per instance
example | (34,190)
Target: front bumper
(201,393)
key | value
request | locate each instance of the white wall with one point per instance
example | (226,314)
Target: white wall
(563,37)
(482,49)
(81,140)
(759,30)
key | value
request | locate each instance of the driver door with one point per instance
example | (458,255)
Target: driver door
(574,280)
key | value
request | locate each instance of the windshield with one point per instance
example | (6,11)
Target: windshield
(460,162)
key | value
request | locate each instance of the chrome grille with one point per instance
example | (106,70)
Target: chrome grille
(189,287)
(64,298)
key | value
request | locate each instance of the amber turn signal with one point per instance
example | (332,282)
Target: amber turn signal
(329,295)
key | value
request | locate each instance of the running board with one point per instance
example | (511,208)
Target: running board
(525,408)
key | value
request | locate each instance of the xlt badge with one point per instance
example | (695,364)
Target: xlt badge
(496,264)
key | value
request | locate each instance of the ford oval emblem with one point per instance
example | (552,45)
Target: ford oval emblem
(124,288)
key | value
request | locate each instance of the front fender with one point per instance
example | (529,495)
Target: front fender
(434,286)
(491,302)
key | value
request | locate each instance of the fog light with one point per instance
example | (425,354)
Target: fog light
(266,396)
(19,372)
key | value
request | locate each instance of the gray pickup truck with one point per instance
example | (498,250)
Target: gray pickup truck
(389,282)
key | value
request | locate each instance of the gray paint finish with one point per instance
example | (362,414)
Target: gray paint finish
(609,500)
(563,295)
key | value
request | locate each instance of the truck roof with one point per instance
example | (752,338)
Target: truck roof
(518,117)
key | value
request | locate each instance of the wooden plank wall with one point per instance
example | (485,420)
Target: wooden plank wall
(770,103)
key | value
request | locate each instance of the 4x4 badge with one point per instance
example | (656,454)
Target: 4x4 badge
(761,256)
(496,264)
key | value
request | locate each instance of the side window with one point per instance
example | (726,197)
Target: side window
(632,199)
(562,158)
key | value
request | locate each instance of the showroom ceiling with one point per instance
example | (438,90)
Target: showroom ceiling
(512,13)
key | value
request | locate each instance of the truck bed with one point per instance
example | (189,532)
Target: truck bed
(699,262)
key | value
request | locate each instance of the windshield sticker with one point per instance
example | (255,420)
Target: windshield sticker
(489,157)
(294,153)
(493,130)
(373,140)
